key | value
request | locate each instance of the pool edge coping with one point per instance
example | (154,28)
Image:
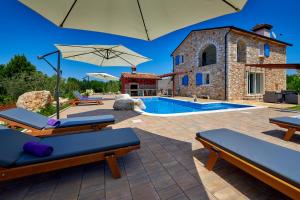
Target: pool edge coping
(138,110)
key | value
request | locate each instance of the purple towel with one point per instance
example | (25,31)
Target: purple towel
(37,149)
(53,122)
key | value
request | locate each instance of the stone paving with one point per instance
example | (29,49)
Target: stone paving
(169,165)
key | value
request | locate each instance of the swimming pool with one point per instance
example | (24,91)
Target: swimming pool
(161,106)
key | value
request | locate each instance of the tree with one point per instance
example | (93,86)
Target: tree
(18,64)
(293,83)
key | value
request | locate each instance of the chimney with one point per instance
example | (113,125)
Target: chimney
(133,69)
(263,29)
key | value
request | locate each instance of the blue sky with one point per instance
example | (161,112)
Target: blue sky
(25,32)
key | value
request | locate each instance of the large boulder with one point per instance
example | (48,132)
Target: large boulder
(34,100)
(124,104)
(139,103)
(62,101)
(122,96)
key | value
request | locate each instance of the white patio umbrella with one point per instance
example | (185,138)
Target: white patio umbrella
(143,19)
(102,55)
(103,76)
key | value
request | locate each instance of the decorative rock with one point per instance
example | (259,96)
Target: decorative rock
(34,100)
(62,101)
(124,104)
(139,103)
(122,96)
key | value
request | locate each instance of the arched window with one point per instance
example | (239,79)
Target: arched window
(241,52)
(209,55)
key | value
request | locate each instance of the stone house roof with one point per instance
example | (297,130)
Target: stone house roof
(235,29)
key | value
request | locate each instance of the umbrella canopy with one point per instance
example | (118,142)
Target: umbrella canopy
(103,76)
(102,55)
(143,19)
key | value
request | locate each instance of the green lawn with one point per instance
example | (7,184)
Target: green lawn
(294,107)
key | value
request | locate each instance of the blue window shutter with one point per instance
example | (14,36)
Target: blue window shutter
(199,79)
(267,50)
(187,80)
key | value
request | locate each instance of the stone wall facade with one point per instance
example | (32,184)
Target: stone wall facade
(274,79)
(194,44)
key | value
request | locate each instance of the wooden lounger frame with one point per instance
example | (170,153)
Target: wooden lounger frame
(76,102)
(27,170)
(48,132)
(291,129)
(216,152)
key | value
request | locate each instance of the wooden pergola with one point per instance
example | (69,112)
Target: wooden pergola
(276,66)
(173,74)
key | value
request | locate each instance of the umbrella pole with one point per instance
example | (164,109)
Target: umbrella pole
(57,84)
(58,75)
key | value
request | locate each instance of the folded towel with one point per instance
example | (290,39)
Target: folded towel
(53,122)
(37,149)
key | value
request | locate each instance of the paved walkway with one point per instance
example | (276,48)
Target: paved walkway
(170,164)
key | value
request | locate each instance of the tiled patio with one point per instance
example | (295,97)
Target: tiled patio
(168,166)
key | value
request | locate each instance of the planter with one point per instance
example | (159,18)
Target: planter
(292,98)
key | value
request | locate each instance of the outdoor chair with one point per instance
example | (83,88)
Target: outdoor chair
(272,164)
(272,97)
(292,124)
(37,124)
(68,151)
(79,99)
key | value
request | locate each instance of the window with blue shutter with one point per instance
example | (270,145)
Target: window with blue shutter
(267,50)
(199,79)
(185,80)
(179,59)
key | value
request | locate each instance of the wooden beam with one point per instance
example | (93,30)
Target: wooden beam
(275,66)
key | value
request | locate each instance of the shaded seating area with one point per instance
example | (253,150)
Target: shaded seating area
(37,124)
(272,97)
(80,149)
(284,96)
(79,99)
(292,125)
(272,164)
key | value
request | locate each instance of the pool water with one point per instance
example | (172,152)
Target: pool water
(159,105)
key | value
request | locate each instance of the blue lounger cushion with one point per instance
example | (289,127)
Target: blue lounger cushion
(277,160)
(80,97)
(91,98)
(293,121)
(11,145)
(12,141)
(25,117)
(80,144)
(39,121)
(80,121)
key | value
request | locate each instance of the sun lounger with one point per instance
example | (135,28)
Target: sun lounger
(37,123)
(292,125)
(69,151)
(79,99)
(272,164)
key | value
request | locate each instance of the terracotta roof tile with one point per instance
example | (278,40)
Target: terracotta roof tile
(139,75)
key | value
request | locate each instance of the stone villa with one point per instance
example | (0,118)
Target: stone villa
(215,61)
